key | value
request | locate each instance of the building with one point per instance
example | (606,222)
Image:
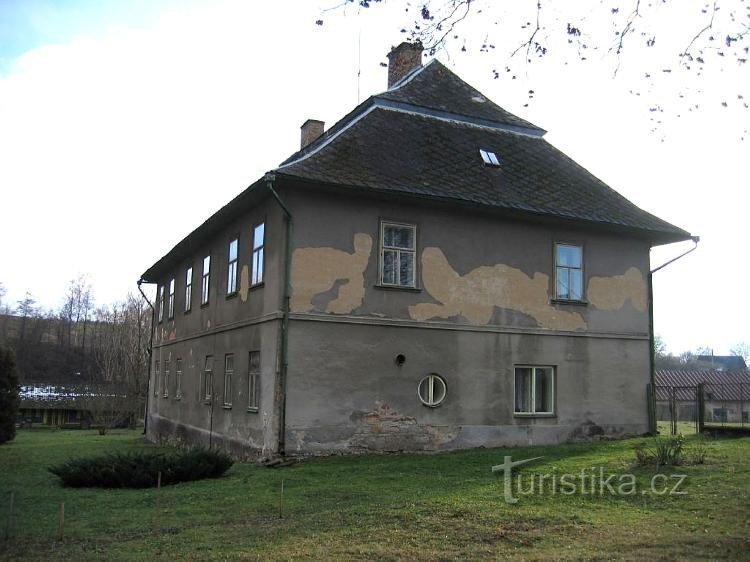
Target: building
(429,273)
(723,362)
(49,406)
(726,395)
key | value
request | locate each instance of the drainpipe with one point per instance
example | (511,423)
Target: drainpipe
(284,359)
(651,336)
(150,352)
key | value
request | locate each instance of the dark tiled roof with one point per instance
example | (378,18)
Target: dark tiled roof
(718,385)
(726,362)
(396,151)
(436,87)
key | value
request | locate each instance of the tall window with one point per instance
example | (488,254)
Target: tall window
(178,379)
(397,252)
(165,381)
(232,267)
(160,303)
(170,306)
(156,378)
(569,272)
(535,388)
(259,236)
(253,382)
(188,288)
(208,378)
(206,279)
(228,373)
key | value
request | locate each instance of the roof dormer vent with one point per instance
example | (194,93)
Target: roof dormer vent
(489,158)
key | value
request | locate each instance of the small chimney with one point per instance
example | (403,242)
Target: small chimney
(311,130)
(402,60)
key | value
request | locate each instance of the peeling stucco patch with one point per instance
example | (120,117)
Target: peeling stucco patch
(475,295)
(611,293)
(244,283)
(316,270)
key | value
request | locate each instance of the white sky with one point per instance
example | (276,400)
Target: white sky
(108,113)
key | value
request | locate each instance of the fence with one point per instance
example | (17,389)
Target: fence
(725,406)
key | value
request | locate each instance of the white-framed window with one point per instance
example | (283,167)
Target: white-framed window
(165,380)
(156,378)
(170,306)
(160,303)
(398,248)
(208,378)
(188,288)
(253,381)
(232,267)
(206,279)
(534,390)
(228,374)
(259,239)
(178,379)
(432,390)
(569,272)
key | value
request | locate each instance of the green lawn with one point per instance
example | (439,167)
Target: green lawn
(388,507)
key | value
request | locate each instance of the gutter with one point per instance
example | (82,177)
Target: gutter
(150,352)
(652,337)
(284,352)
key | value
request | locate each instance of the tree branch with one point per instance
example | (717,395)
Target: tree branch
(701,32)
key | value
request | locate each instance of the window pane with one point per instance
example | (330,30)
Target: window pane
(233,250)
(389,267)
(563,285)
(257,266)
(232,277)
(543,390)
(398,237)
(189,276)
(406,264)
(206,264)
(569,256)
(229,363)
(259,235)
(576,284)
(254,360)
(523,389)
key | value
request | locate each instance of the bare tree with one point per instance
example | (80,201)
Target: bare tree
(741,349)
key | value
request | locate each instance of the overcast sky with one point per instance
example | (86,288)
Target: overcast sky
(124,125)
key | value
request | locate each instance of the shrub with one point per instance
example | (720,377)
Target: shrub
(9,400)
(669,452)
(141,469)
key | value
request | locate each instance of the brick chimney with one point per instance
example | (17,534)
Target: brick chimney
(402,60)
(311,130)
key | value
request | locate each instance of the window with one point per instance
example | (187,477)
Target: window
(432,390)
(156,378)
(170,308)
(165,387)
(535,390)
(188,289)
(489,158)
(228,372)
(208,378)
(569,272)
(178,379)
(397,251)
(160,303)
(205,280)
(720,415)
(253,382)
(232,267)
(259,236)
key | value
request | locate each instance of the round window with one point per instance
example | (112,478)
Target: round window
(431,390)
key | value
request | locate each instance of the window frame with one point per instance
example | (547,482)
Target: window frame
(557,297)
(228,375)
(257,281)
(170,299)
(553,401)
(431,403)
(208,379)
(233,266)
(178,379)
(160,303)
(253,382)
(206,280)
(381,254)
(157,373)
(165,380)
(188,288)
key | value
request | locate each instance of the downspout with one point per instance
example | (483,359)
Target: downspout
(150,352)
(651,336)
(284,358)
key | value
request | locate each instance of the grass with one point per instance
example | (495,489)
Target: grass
(387,507)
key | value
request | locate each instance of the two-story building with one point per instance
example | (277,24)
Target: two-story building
(429,273)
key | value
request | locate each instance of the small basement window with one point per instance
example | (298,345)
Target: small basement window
(489,158)
(432,390)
